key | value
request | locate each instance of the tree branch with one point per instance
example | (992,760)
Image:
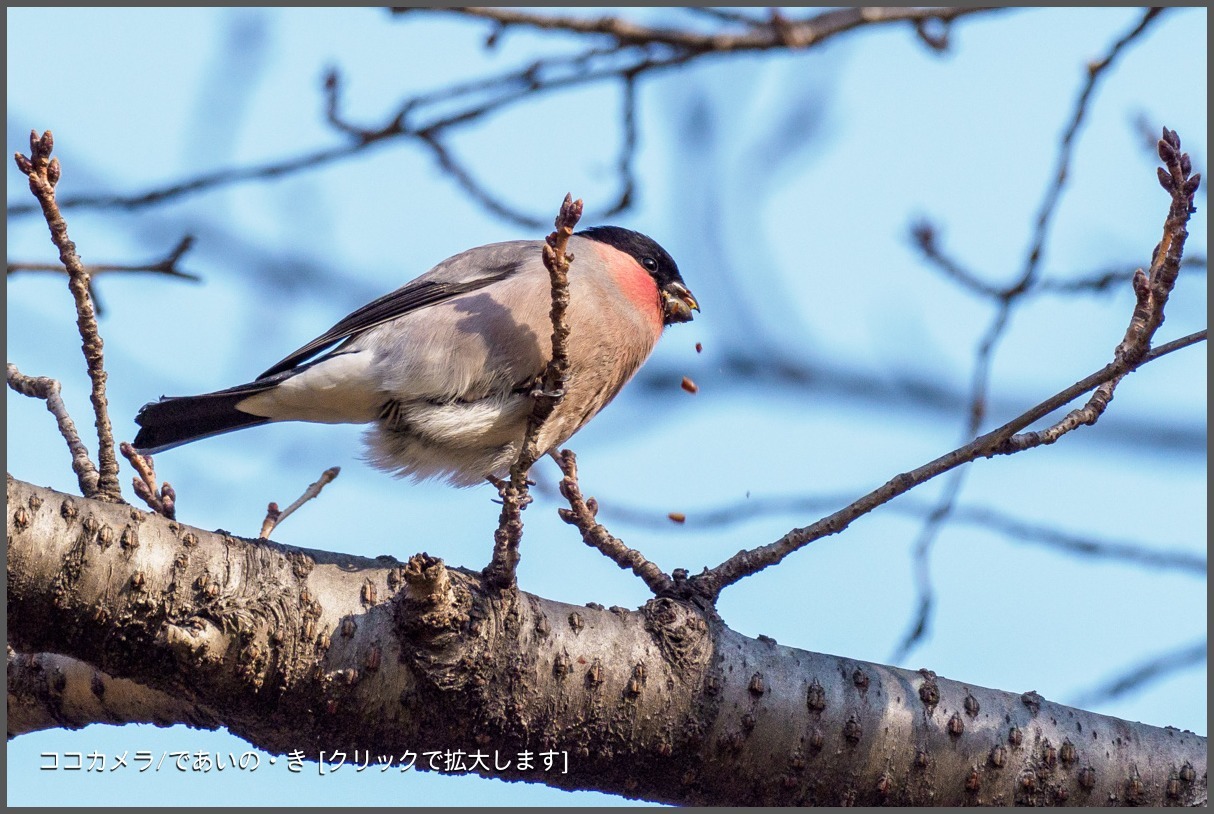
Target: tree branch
(1152,291)
(299,650)
(581,514)
(1011,525)
(625,60)
(776,32)
(548,392)
(47,389)
(275,516)
(1008,299)
(43,173)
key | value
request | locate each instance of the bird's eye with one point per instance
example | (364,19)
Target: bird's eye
(650,263)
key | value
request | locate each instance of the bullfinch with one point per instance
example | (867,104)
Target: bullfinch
(443,367)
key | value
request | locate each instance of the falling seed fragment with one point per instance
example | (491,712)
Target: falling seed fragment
(699,348)
(678,517)
(689,385)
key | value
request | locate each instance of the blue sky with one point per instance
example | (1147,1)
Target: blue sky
(788,209)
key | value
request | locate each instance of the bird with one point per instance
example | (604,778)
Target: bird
(443,368)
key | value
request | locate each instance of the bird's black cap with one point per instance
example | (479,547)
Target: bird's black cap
(642,247)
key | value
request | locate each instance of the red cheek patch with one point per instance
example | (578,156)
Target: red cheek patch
(635,284)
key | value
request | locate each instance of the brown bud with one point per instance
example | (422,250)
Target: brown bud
(972,706)
(815,696)
(884,784)
(816,739)
(956,726)
(594,676)
(756,684)
(852,730)
(1087,777)
(973,782)
(929,693)
(998,756)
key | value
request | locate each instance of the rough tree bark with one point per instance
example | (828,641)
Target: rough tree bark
(313,651)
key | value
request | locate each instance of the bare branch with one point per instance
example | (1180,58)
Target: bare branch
(166,266)
(775,32)
(1100,281)
(1008,298)
(48,389)
(1152,291)
(581,514)
(43,173)
(625,59)
(1010,525)
(993,443)
(1144,673)
(162,499)
(275,516)
(924,235)
(548,392)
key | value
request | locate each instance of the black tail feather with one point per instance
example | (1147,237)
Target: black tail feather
(174,421)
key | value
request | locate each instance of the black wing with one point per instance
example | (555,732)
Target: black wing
(417,294)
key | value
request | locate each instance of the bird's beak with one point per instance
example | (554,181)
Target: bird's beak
(677,303)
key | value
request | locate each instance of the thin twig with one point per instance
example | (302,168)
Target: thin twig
(1151,289)
(47,389)
(548,392)
(275,516)
(1008,299)
(1100,281)
(44,172)
(581,513)
(467,102)
(162,499)
(1143,673)
(761,35)
(1010,525)
(166,266)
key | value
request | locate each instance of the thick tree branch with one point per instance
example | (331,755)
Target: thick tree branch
(311,651)
(49,691)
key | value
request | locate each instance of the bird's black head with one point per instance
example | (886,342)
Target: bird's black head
(677,301)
